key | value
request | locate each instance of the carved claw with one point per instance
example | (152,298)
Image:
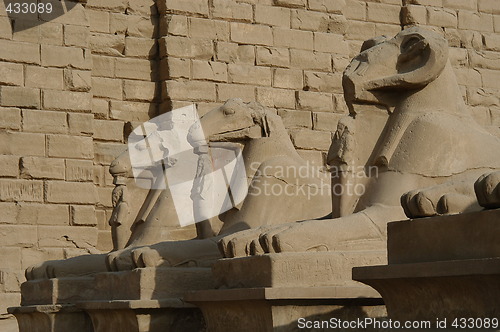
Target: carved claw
(436,200)
(147,257)
(488,190)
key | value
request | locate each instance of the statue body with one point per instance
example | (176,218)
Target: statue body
(427,150)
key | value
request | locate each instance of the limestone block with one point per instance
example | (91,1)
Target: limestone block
(326,121)
(98,20)
(75,35)
(360,31)
(10,166)
(141,47)
(191,90)
(290,3)
(25,144)
(70,146)
(315,158)
(57,56)
(434,3)
(107,87)
(80,123)
(66,100)
(132,111)
(42,168)
(208,29)
(246,74)
(337,24)
(174,68)
(184,6)
(45,121)
(139,26)
(288,79)
(39,77)
(298,39)
(209,70)
(107,44)
(79,170)
(492,42)
(308,20)
(412,14)
(228,91)
(273,56)
(83,215)
(10,118)
(227,9)
(67,236)
(111,5)
(18,96)
(12,260)
(9,300)
(17,235)
(310,60)
(13,51)
(323,82)
(140,69)
(311,139)
(100,108)
(103,66)
(142,7)
(234,53)
(71,192)
(468,20)
(11,74)
(186,48)
(43,214)
(274,16)
(175,25)
(484,59)
(383,13)
(355,10)
(107,130)
(488,6)
(471,77)
(251,34)
(76,16)
(105,153)
(330,43)
(77,80)
(31,256)
(490,78)
(139,90)
(442,17)
(329,6)
(296,119)
(273,97)
(104,196)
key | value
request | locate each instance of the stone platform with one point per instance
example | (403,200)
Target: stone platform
(141,300)
(272,292)
(441,267)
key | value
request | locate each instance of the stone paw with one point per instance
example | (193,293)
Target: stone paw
(488,190)
(244,243)
(438,200)
(44,270)
(147,257)
(121,260)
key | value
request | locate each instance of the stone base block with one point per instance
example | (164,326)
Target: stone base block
(138,284)
(455,237)
(444,290)
(144,316)
(314,269)
(283,309)
(51,318)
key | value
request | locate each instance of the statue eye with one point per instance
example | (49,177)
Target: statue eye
(228,111)
(408,44)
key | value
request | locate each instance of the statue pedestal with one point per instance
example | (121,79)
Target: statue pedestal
(141,300)
(272,292)
(444,267)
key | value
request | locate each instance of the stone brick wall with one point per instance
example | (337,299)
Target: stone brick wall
(71,89)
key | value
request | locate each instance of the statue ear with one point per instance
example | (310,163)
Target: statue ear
(422,59)
(423,56)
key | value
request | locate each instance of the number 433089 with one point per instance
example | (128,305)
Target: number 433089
(29,8)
